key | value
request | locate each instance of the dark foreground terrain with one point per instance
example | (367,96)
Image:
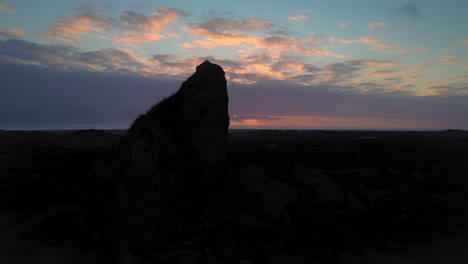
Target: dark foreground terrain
(377,197)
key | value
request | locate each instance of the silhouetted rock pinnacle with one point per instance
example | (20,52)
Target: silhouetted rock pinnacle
(170,162)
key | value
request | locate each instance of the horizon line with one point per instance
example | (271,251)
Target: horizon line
(234,127)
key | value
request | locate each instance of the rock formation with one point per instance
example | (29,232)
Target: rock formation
(171,161)
(166,195)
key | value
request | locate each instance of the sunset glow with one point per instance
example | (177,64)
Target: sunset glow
(373,64)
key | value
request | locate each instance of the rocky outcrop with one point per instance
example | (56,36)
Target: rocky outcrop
(165,195)
(172,160)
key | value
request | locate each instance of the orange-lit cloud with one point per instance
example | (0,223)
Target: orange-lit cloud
(449,85)
(374,25)
(381,63)
(5,7)
(71,29)
(142,28)
(374,42)
(286,92)
(405,51)
(465,41)
(359,75)
(223,24)
(414,71)
(210,37)
(12,32)
(341,41)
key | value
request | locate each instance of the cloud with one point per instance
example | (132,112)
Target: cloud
(5,7)
(223,24)
(385,72)
(111,60)
(378,44)
(364,75)
(409,10)
(413,72)
(405,51)
(342,41)
(247,69)
(262,67)
(300,15)
(452,89)
(344,25)
(209,35)
(381,63)
(59,84)
(176,65)
(374,42)
(73,28)
(464,41)
(325,105)
(12,32)
(373,25)
(86,99)
(449,85)
(252,68)
(449,59)
(24,52)
(142,28)
(67,58)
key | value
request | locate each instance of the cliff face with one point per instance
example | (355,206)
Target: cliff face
(171,161)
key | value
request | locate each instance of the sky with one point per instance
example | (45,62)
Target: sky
(337,64)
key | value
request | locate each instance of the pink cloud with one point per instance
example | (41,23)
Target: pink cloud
(290,91)
(142,28)
(374,25)
(341,41)
(381,63)
(405,51)
(209,36)
(300,15)
(374,42)
(71,29)
(12,32)
(449,59)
